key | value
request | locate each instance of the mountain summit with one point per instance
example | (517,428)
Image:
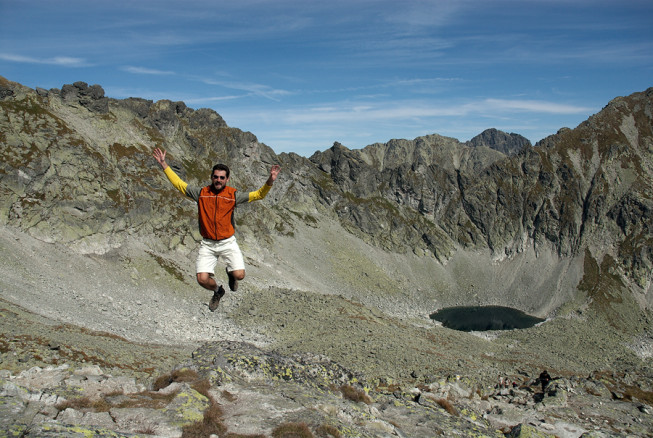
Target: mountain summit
(77,170)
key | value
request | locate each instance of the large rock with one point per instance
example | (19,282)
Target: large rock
(91,97)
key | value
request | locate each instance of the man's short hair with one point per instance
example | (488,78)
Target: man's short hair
(220,166)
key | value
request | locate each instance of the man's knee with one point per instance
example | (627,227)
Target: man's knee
(238,274)
(203,278)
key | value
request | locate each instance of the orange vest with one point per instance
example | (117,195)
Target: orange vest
(215,213)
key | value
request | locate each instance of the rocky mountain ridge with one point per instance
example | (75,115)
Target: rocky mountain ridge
(570,190)
(349,253)
(433,193)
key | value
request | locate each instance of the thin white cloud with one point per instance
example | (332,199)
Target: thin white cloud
(205,100)
(189,99)
(535,106)
(64,61)
(423,14)
(146,71)
(251,88)
(418,110)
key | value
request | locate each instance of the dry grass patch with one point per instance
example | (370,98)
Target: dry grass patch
(146,431)
(327,431)
(181,375)
(447,406)
(85,404)
(355,394)
(147,399)
(292,430)
(238,435)
(228,396)
(202,386)
(211,424)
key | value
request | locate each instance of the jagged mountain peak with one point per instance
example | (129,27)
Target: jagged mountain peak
(508,144)
(433,149)
(582,188)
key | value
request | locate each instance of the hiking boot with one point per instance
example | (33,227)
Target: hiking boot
(215,299)
(233,283)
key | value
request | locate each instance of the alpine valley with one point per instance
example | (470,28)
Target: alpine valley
(105,332)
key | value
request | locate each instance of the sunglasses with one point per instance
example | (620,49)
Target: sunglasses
(218,177)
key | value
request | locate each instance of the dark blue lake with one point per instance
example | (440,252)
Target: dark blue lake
(483,318)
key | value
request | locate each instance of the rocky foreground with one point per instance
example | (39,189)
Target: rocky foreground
(96,384)
(275,361)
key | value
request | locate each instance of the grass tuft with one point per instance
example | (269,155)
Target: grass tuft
(211,424)
(181,375)
(238,435)
(328,431)
(354,394)
(228,396)
(203,387)
(292,430)
(447,406)
(85,404)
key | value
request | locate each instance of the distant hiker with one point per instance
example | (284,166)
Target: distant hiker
(215,205)
(544,379)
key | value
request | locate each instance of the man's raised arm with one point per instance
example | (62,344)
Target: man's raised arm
(263,191)
(274,173)
(160,157)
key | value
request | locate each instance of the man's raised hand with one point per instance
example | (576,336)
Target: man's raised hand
(274,172)
(160,157)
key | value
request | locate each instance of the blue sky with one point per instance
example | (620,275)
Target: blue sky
(302,74)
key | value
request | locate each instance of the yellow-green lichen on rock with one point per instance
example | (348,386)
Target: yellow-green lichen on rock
(46,430)
(526,431)
(187,407)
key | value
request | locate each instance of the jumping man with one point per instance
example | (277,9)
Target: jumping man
(215,207)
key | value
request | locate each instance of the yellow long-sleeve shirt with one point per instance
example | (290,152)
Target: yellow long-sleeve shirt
(215,210)
(183,186)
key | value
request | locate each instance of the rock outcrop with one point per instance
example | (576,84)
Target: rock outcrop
(508,144)
(246,392)
(85,160)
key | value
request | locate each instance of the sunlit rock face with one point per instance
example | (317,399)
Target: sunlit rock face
(405,224)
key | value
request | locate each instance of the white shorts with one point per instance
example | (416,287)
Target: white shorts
(211,250)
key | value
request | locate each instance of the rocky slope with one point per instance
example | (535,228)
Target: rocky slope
(587,188)
(347,257)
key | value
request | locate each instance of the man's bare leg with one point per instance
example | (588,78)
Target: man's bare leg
(234,277)
(207,281)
